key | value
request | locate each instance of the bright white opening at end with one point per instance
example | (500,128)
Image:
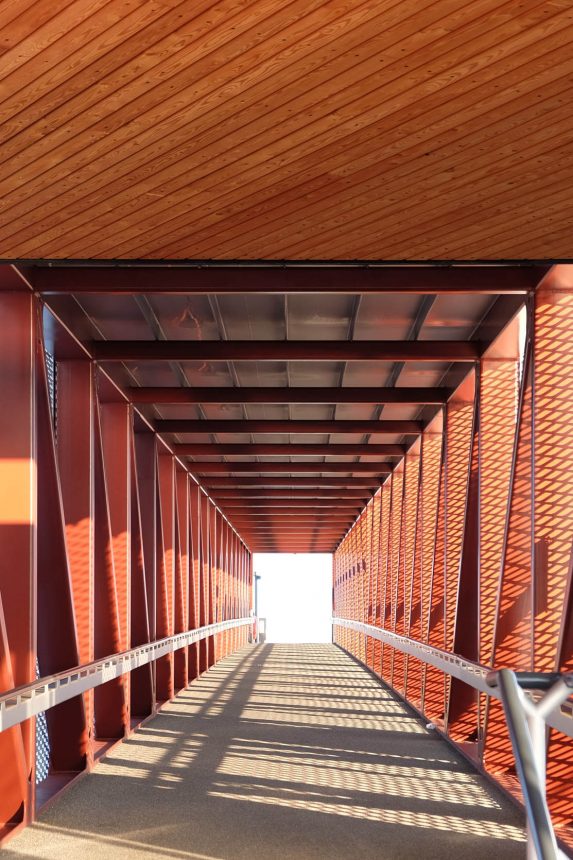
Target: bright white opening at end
(295,595)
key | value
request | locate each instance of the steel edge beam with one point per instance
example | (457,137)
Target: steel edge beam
(241,277)
(184,425)
(370,395)
(195,449)
(285,350)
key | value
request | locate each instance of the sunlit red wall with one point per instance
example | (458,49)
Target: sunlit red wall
(468,545)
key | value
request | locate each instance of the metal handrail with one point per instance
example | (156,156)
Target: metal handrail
(527,731)
(527,720)
(559,717)
(27,701)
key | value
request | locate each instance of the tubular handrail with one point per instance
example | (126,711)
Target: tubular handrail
(527,720)
(29,700)
(559,717)
(526,727)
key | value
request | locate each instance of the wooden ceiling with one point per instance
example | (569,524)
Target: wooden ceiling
(286,129)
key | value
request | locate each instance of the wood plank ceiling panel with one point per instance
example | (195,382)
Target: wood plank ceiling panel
(301,129)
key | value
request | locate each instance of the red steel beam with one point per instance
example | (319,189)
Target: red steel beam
(298,527)
(300,522)
(286,504)
(302,515)
(285,350)
(294,543)
(296,518)
(241,279)
(196,449)
(368,482)
(183,425)
(272,394)
(290,547)
(254,495)
(369,468)
(283,537)
(296,504)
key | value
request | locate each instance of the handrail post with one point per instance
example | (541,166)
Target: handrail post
(538,734)
(528,733)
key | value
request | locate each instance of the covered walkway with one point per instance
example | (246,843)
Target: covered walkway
(286,276)
(272,754)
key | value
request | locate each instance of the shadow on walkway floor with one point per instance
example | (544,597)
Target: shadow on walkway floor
(280,752)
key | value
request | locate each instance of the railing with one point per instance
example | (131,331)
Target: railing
(261,630)
(27,701)
(526,719)
(527,730)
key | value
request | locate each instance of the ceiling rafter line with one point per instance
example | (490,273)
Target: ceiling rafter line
(284,276)
(287,337)
(369,483)
(222,329)
(290,427)
(278,468)
(349,337)
(198,449)
(253,496)
(157,329)
(292,350)
(297,394)
(424,308)
(263,510)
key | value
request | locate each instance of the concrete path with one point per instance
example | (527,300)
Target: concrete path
(281,752)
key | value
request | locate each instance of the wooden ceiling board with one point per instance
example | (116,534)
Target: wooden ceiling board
(425,129)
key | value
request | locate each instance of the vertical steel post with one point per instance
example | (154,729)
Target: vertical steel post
(18,539)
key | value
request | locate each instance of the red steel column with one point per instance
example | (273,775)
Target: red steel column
(165,568)
(205,581)
(75,397)
(17,536)
(212,538)
(195,575)
(409,543)
(57,645)
(111,718)
(553,507)
(432,451)
(116,423)
(146,477)
(142,699)
(182,568)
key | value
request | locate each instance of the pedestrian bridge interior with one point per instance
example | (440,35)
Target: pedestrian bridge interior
(286,277)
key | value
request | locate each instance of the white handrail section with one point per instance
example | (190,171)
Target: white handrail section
(27,701)
(473,674)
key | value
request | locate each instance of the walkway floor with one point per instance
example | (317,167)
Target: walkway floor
(281,752)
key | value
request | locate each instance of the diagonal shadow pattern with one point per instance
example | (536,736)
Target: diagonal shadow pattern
(283,752)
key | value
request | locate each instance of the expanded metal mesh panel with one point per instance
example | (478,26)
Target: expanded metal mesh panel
(51,374)
(42,743)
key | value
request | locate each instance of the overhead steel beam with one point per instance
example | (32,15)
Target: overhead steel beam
(290,450)
(295,548)
(336,527)
(294,533)
(175,394)
(295,539)
(272,505)
(285,350)
(318,495)
(300,523)
(282,468)
(184,425)
(309,514)
(371,483)
(296,529)
(247,278)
